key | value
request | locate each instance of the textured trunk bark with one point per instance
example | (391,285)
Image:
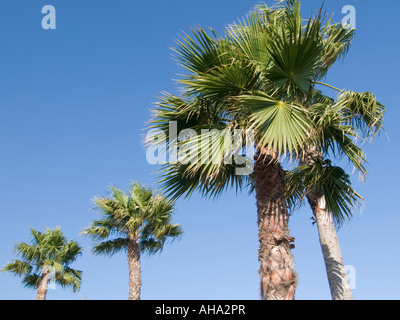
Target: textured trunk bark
(278,277)
(135,270)
(43,285)
(337,276)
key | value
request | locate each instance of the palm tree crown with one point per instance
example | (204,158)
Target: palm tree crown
(140,214)
(262,75)
(49,253)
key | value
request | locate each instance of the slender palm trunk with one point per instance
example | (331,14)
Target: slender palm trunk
(43,285)
(135,270)
(337,276)
(278,277)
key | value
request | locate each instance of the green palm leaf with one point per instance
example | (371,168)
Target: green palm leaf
(324,180)
(111,247)
(362,111)
(199,53)
(295,56)
(337,41)
(280,125)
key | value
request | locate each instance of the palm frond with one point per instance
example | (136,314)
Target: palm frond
(69,278)
(69,252)
(17,267)
(209,180)
(29,253)
(280,125)
(111,247)
(322,179)
(295,55)
(337,41)
(331,133)
(31,281)
(102,229)
(224,81)
(153,238)
(200,52)
(362,111)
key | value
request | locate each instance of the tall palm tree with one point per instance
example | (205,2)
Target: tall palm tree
(138,221)
(260,77)
(47,258)
(331,197)
(328,188)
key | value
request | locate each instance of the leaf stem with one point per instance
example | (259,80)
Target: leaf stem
(329,86)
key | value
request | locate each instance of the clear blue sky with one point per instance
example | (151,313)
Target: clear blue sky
(74,102)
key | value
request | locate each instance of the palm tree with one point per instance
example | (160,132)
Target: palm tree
(331,198)
(138,221)
(328,188)
(261,78)
(47,258)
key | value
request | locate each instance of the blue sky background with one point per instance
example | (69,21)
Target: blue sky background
(73,107)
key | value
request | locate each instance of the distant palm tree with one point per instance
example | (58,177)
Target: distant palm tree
(47,258)
(138,221)
(262,76)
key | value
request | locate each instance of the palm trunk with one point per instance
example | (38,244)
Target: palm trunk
(43,285)
(337,276)
(135,271)
(278,277)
